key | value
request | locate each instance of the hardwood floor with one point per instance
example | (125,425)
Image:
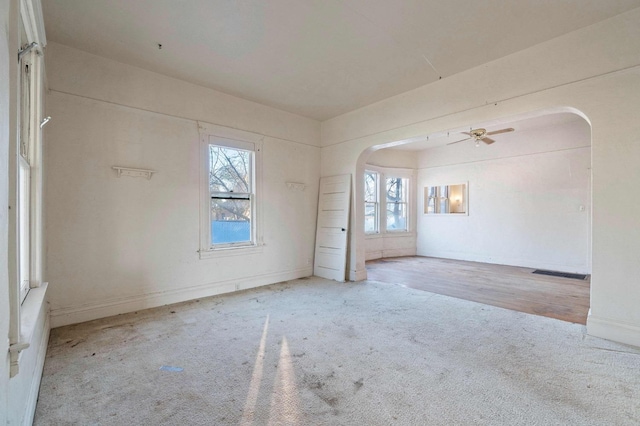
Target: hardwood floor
(508,287)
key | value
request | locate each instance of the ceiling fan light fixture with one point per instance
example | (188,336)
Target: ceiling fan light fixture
(480,134)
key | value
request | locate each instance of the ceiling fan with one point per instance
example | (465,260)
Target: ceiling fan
(482,135)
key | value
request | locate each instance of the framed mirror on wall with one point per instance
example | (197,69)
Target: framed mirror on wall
(446,199)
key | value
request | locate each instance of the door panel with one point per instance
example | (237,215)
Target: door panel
(332,229)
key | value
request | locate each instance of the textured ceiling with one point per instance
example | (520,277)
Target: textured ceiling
(316,58)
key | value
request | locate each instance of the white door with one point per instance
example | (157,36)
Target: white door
(332,230)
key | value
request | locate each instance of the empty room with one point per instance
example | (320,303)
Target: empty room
(517,198)
(219,212)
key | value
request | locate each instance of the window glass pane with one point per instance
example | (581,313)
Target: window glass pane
(444,200)
(397,217)
(396,189)
(430,194)
(25,96)
(371,186)
(230,169)
(230,181)
(396,193)
(431,205)
(25,112)
(24,226)
(370,217)
(230,220)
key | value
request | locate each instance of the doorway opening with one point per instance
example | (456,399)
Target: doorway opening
(527,206)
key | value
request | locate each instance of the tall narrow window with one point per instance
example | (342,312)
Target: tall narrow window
(24,234)
(397,202)
(25,132)
(231,188)
(371,203)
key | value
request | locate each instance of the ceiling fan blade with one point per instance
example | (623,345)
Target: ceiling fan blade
(488,141)
(461,140)
(497,132)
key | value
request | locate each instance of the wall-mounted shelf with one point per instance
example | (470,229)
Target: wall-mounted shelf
(128,171)
(295,186)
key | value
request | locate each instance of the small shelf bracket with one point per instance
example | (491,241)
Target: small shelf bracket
(128,171)
(296,186)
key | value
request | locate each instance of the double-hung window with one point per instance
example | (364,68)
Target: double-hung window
(25,136)
(371,203)
(397,204)
(28,290)
(386,201)
(231,189)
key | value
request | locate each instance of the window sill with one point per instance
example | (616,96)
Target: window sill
(30,311)
(29,317)
(389,234)
(231,251)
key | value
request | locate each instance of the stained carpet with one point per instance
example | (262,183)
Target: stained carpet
(314,352)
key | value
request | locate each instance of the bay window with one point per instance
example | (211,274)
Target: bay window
(386,200)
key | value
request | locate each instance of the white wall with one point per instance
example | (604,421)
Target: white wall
(393,244)
(529,200)
(122,244)
(596,71)
(395,158)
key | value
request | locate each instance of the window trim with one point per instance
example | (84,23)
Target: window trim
(250,196)
(406,205)
(383,174)
(24,311)
(376,202)
(233,138)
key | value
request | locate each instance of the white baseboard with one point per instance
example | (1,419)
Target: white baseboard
(373,255)
(380,254)
(360,275)
(509,261)
(398,252)
(613,330)
(88,312)
(37,374)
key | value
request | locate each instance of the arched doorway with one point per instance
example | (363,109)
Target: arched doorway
(527,204)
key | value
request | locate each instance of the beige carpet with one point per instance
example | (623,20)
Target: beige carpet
(314,352)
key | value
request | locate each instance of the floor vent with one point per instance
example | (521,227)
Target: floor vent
(560,274)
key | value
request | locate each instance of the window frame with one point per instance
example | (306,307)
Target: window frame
(26,183)
(376,202)
(383,174)
(211,134)
(405,203)
(230,195)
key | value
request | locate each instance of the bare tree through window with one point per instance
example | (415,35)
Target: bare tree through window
(230,185)
(370,202)
(396,204)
